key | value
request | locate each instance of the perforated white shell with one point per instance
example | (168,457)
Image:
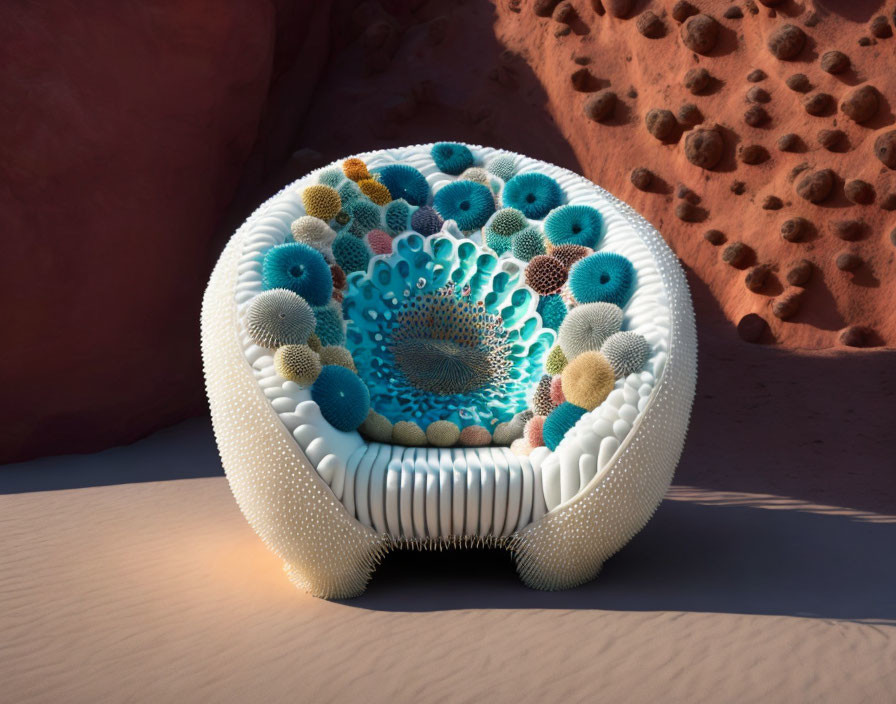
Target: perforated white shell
(330,504)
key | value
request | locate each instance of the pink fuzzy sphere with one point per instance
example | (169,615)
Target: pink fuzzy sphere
(557,396)
(521,446)
(532,431)
(379,242)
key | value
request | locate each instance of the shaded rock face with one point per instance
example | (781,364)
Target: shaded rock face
(133,129)
(149,135)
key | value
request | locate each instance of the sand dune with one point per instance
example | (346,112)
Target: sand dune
(160,591)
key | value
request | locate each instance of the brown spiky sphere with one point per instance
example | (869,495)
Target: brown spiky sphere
(321,201)
(546,274)
(375,190)
(542,403)
(339,278)
(314,342)
(355,169)
(569,254)
(376,427)
(407,433)
(297,363)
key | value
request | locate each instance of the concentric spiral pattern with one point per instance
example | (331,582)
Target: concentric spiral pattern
(440,331)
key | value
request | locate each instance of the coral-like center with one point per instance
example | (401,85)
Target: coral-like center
(441,366)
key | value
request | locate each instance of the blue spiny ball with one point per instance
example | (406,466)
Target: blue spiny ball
(348,193)
(331,177)
(426,221)
(468,203)
(552,310)
(329,325)
(452,158)
(533,193)
(398,215)
(527,243)
(366,216)
(603,276)
(405,182)
(560,420)
(343,398)
(499,243)
(574,224)
(299,268)
(350,253)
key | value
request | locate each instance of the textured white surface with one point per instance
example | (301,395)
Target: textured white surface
(589,497)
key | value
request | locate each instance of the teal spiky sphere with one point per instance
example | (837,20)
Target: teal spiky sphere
(552,310)
(507,221)
(331,177)
(603,276)
(329,325)
(533,193)
(366,216)
(299,268)
(468,203)
(350,253)
(343,398)
(527,243)
(404,182)
(452,158)
(398,216)
(574,224)
(559,422)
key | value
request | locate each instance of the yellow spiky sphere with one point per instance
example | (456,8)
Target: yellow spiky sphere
(321,201)
(375,190)
(407,433)
(355,169)
(442,433)
(588,380)
(314,342)
(334,354)
(376,427)
(297,363)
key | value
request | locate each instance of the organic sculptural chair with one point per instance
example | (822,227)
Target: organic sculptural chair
(447,344)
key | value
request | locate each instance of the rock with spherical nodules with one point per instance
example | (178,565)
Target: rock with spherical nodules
(756,116)
(714,237)
(696,80)
(600,106)
(703,148)
(786,42)
(848,230)
(650,26)
(853,336)
(689,114)
(660,123)
(688,212)
(752,154)
(834,62)
(700,33)
(376,427)
(544,8)
(861,103)
(819,104)
(795,229)
(831,139)
(816,186)
(788,142)
(618,8)
(799,273)
(756,277)
(772,203)
(641,178)
(885,149)
(758,94)
(880,28)
(751,327)
(799,82)
(859,192)
(587,327)
(564,13)
(848,261)
(682,9)
(737,254)
(787,304)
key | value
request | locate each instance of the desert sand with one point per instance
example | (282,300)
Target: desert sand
(765,576)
